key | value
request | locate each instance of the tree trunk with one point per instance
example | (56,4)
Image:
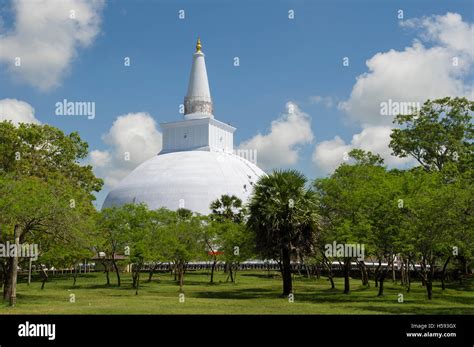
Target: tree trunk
(44,272)
(308,273)
(7,288)
(152,271)
(181,276)
(382,280)
(383,274)
(363,273)
(14,271)
(138,283)
(286,273)
(443,273)
(429,289)
(116,269)
(134,275)
(328,266)
(394,278)
(214,263)
(74,275)
(236,268)
(376,274)
(347,267)
(106,271)
(331,280)
(29,270)
(429,282)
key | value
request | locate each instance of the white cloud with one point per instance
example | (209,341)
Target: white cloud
(327,101)
(100,159)
(280,147)
(17,111)
(47,39)
(449,30)
(132,139)
(328,155)
(414,74)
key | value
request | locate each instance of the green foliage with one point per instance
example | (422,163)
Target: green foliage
(47,212)
(282,211)
(441,134)
(184,239)
(152,236)
(46,152)
(346,198)
(226,235)
(365,157)
(438,216)
(233,239)
(228,208)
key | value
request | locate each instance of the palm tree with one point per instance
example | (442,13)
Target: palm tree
(227,208)
(282,213)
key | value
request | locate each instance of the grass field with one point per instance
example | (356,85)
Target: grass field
(254,293)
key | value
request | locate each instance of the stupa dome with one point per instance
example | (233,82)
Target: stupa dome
(197,164)
(188,179)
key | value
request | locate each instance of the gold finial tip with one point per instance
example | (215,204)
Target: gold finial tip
(198,45)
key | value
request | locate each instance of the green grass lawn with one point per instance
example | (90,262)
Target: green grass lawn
(254,293)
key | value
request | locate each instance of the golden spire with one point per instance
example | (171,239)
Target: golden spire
(198,45)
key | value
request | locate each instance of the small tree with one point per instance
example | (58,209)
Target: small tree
(184,241)
(236,243)
(227,209)
(117,226)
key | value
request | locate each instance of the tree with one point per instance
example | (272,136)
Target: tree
(45,152)
(440,137)
(37,212)
(341,208)
(41,178)
(362,157)
(358,205)
(282,214)
(184,241)
(225,210)
(156,251)
(212,232)
(384,208)
(441,133)
(67,253)
(235,244)
(435,215)
(137,237)
(117,226)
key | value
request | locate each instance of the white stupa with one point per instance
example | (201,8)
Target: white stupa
(197,164)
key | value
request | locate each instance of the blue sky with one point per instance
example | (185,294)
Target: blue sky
(281,60)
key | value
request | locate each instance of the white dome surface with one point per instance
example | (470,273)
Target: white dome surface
(196,178)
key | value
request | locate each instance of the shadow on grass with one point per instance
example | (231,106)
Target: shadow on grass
(428,310)
(465,286)
(244,293)
(454,298)
(264,276)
